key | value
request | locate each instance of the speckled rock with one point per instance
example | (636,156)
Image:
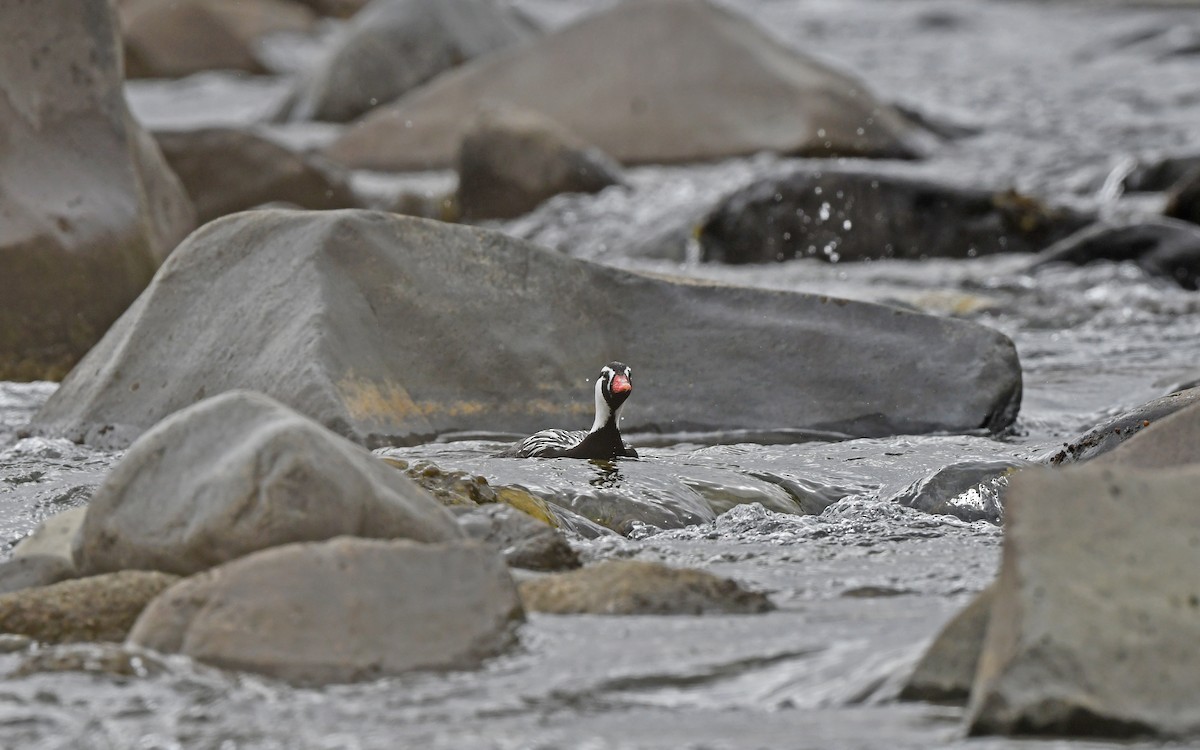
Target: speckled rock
(97,608)
(1173,440)
(342,610)
(633,587)
(647,82)
(237,473)
(89,207)
(1113,432)
(511,161)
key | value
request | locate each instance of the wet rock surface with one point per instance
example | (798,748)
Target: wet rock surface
(525,541)
(972,491)
(839,215)
(239,473)
(338,611)
(631,587)
(1113,432)
(96,608)
(1163,247)
(1183,199)
(90,209)
(226,170)
(653,66)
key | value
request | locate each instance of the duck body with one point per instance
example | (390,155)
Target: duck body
(603,441)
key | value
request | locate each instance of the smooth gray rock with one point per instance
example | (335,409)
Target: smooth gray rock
(31,571)
(226,170)
(842,215)
(970,490)
(391,330)
(238,473)
(1183,199)
(1097,611)
(393,46)
(1168,248)
(54,537)
(635,587)
(89,209)
(947,670)
(342,610)
(524,541)
(511,161)
(1113,432)
(647,82)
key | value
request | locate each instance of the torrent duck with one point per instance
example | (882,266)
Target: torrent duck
(603,441)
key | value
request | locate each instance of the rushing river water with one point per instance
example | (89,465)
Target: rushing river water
(1061,94)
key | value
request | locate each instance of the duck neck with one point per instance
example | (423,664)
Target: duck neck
(604,413)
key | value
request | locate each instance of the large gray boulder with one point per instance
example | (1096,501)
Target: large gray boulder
(843,215)
(342,610)
(238,473)
(665,81)
(390,329)
(88,207)
(1096,615)
(393,46)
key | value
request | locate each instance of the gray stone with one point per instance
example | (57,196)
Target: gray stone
(1096,615)
(511,161)
(342,610)
(31,571)
(98,608)
(1173,440)
(1160,175)
(237,473)
(54,537)
(634,587)
(524,541)
(947,670)
(391,330)
(969,490)
(226,170)
(1167,248)
(90,208)
(1113,432)
(1183,199)
(393,46)
(842,215)
(665,81)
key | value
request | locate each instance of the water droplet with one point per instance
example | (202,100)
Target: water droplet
(824,212)
(847,224)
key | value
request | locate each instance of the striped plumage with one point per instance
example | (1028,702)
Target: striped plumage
(603,441)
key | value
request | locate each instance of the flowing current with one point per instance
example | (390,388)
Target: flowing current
(1060,95)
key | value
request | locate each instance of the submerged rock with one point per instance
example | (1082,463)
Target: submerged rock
(634,587)
(1094,623)
(971,490)
(393,46)
(226,170)
(1167,248)
(524,541)
(511,161)
(1113,432)
(390,329)
(238,473)
(647,82)
(89,207)
(98,608)
(342,610)
(839,215)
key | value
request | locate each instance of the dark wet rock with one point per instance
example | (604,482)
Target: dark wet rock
(89,207)
(1162,247)
(238,473)
(668,81)
(54,537)
(971,490)
(842,215)
(1094,622)
(1113,432)
(524,541)
(947,670)
(1183,200)
(512,160)
(30,571)
(109,659)
(1160,175)
(335,8)
(176,38)
(634,587)
(97,608)
(342,610)
(393,46)
(1173,440)
(370,323)
(226,170)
